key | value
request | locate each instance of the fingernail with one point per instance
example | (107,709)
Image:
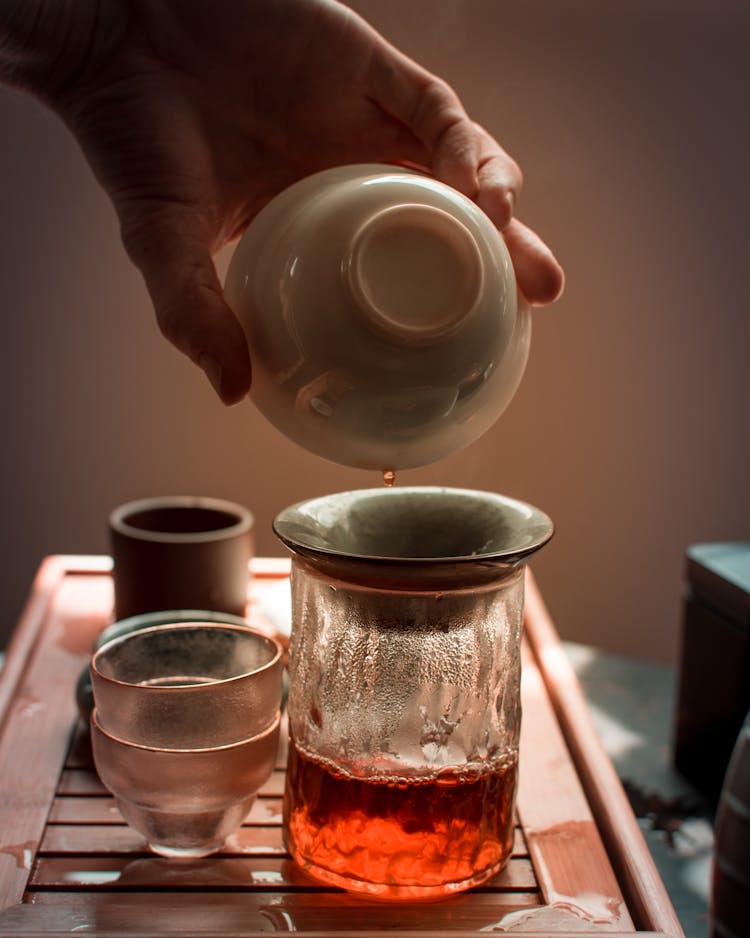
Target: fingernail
(212,369)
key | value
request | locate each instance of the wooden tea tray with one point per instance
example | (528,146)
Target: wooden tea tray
(69,864)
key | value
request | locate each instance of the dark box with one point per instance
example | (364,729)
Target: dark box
(714,680)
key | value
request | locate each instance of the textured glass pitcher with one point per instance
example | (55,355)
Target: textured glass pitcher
(404,708)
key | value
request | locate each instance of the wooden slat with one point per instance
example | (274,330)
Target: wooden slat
(220,873)
(572,866)
(79,754)
(110,839)
(642,886)
(249,914)
(98,809)
(39,719)
(24,637)
(102,809)
(86,782)
(80,782)
(151,872)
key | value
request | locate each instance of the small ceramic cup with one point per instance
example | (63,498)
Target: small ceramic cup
(180,552)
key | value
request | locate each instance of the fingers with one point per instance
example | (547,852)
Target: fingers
(464,155)
(540,277)
(431,111)
(440,122)
(461,153)
(169,249)
(500,180)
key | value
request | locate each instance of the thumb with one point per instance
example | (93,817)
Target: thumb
(173,256)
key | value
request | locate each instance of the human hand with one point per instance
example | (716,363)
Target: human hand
(194,115)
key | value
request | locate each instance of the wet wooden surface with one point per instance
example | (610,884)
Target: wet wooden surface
(68,862)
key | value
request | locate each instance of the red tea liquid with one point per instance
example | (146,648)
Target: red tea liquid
(398,836)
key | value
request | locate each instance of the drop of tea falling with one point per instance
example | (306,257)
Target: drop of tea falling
(389,477)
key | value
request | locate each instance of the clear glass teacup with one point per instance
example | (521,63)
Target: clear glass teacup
(404,707)
(185,729)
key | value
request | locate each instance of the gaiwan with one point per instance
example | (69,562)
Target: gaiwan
(382,315)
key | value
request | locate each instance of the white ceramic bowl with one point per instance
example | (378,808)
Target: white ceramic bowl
(382,315)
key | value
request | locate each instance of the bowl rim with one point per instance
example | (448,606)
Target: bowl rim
(243,522)
(274,662)
(514,553)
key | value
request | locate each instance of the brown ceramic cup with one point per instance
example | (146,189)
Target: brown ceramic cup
(180,552)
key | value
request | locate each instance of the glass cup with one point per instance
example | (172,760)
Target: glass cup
(185,802)
(187,685)
(404,707)
(84,691)
(185,729)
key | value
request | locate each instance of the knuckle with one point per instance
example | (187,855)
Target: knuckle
(183,312)
(516,175)
(170,321)
(437,107)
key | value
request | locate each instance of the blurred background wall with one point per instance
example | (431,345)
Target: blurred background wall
(630,121)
